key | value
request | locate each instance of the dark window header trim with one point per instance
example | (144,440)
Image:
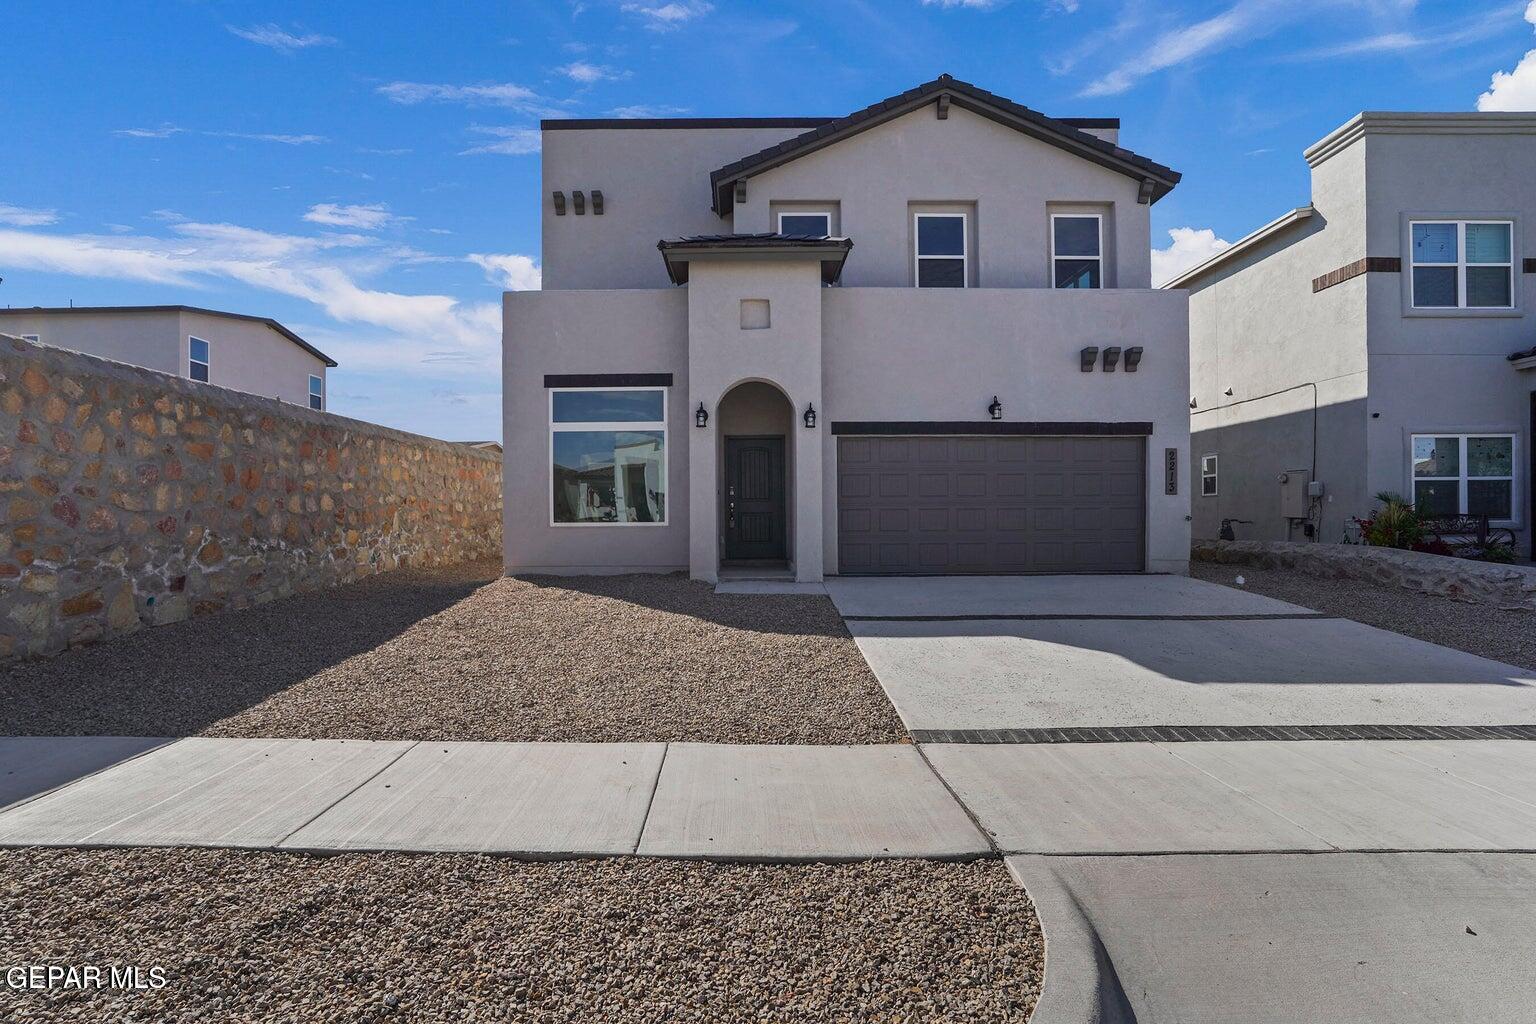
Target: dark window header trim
(954,427)
(607,380)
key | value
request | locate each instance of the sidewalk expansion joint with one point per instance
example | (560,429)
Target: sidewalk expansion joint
(322,811)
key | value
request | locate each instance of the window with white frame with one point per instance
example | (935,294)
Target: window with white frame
(1462,264)
(1077,250)
(198,356)
(941,256)
(806,223)
(1464,474)
(1208,475)
(316,392)
(608,456)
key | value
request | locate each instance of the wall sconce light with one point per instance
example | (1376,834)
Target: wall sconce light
(1194,404)
(1089,356)
(995,409)
(559,204)
(810,416)
(597,202)
(701,416)
(1132,358)
(1228,392)
(578,202)
(1111,357)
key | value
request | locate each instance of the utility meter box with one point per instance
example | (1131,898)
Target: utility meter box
(1294,497)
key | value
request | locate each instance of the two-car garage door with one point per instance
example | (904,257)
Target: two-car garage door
(990,504)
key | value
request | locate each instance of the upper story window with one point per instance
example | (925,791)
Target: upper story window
(1077,250)
(941,255)
(197,359)
(316,392)
(608,456)
(1462,264)
(810,224)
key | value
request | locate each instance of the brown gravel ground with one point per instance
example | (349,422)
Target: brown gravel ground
(1507,636)
(466,654)
(248,936)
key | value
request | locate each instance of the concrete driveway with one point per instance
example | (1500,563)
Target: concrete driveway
(1022,653)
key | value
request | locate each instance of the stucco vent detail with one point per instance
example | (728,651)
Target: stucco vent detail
(754,314)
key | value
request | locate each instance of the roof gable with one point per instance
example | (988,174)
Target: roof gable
(1157,180)
(279,328)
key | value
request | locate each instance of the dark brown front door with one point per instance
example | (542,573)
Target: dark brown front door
(754,498)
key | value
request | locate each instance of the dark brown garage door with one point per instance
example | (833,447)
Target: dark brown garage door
(912,505)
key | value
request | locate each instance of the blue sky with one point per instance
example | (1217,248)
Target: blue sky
(367,173)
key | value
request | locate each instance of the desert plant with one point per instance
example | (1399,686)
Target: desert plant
(1394,525)
(1496,553)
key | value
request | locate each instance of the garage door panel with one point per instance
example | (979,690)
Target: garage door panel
(991,504)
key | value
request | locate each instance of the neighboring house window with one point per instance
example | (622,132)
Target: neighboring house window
(941,252)
(1077,250)
(608,456)
(1463,264)
(810,225)
(197,367)
(1464,474)
(35,339)
(1208,474)
(316,392)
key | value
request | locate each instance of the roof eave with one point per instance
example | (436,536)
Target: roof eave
(1241,246)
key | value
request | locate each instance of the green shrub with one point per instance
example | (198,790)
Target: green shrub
(1394,525)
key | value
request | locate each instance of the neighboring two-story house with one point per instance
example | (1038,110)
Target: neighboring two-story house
(920,338)
(254,354)
(1374,340)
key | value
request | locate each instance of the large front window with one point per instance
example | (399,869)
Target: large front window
(1462,264)
(941,250)
(608,453)
(1464,474)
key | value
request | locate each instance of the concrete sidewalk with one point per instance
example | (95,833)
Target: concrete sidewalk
(785,803)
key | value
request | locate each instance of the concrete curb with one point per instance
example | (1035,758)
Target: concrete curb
(1081,986)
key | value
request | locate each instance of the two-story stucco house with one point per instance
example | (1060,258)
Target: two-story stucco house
(1377,339)
(254,354)
(920,338)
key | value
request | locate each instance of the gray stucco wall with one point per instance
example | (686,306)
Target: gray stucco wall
(1013,182)
(644,331)
(1258,329)
(140,339)
(245,355)
(1447,371)
(941,355)
(655,185)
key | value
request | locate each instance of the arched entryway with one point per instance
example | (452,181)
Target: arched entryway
(755,469)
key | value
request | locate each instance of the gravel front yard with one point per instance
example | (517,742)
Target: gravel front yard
(268,937)
(1506,636)
(466,654)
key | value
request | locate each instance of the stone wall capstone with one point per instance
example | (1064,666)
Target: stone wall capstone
(132,498)
(1460,579)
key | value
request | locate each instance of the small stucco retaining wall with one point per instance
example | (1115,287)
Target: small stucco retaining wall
(133,498)
(1487,583)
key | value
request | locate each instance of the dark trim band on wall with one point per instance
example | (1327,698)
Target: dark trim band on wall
(960,427)
(1364,265)
(607,380)
(1528,265)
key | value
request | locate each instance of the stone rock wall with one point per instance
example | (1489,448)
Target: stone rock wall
(1460,579)
(132,498)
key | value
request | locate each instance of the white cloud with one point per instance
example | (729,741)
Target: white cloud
(664,17)
(283,42)
(287,140)
(325,270)
(1244,19)
(638,110)
(369,217)
(586,74)
(511,271)
(1189,247)
(502,94)
(165,131)
(1514,90)
(22,217)
(1473,30)
(509,141)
